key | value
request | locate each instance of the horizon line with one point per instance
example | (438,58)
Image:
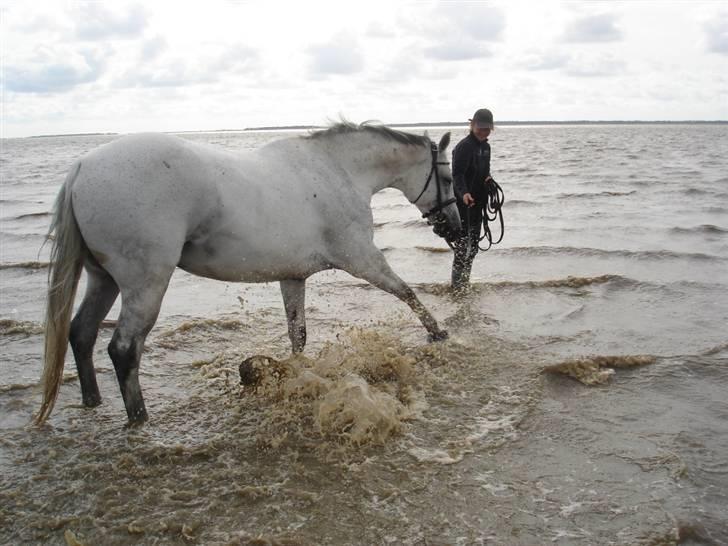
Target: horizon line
(413,124)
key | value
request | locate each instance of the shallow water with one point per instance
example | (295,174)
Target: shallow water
(579,400)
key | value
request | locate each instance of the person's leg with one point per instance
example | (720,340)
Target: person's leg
(466,248)
(460,266)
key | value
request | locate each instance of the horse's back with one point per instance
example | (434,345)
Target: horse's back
(145,163)
(143,194)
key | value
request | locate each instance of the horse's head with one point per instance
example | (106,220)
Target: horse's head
(436,200)
(415,165)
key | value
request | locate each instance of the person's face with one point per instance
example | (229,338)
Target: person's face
(481,133)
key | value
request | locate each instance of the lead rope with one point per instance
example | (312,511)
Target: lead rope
(492,211)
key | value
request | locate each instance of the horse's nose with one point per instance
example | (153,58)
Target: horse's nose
(452,216)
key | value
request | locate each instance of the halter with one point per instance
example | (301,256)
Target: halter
(433,170)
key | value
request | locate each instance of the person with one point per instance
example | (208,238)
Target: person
(470,171)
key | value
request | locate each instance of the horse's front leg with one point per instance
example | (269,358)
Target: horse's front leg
(294,300)
(371,266)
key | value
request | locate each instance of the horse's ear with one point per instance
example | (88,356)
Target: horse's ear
(444,142)
(426,134)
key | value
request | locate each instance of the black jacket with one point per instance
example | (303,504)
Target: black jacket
(470,167)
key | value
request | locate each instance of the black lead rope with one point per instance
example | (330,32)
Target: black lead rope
(492,211)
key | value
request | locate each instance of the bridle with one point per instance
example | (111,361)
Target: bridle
(433,170)
(491,209)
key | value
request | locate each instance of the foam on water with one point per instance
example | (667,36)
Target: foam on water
(25,265)
(10,327)
(356,391)
(598,370)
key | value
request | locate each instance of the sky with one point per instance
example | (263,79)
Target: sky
(125,66)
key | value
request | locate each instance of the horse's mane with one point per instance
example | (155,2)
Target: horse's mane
(345,127)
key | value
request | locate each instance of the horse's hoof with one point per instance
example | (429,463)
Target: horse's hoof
(137,418)
(92,401)
(137,423)
(442,335)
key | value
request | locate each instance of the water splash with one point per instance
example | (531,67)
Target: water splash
(598,370)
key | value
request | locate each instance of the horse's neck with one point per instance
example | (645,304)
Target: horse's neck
(376,163)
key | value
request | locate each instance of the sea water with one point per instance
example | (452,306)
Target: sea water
(582,397)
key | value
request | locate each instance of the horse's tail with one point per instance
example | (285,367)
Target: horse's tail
(67,256)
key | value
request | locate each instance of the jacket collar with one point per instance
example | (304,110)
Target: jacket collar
(475,141)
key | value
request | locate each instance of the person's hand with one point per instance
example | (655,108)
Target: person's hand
(468,200)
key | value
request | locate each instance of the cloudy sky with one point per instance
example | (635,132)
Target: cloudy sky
(125,66)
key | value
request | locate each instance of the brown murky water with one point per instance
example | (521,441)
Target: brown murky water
(579,400)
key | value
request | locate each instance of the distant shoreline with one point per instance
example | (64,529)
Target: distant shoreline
(500,123)
(418,124)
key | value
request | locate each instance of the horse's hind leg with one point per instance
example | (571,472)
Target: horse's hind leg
(139,311)
(101,292)
(294,300)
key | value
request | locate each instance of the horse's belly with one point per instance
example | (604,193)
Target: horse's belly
(271,265)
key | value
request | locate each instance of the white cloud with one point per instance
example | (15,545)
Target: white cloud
(379,30)
(478,20)
(404,67)
(339,56)
(153,47)
(164,68)
(593,28)
(716,32)
(457,49)
(53,69)
(98,21)
(173,73)
(545,60)
(600,66)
